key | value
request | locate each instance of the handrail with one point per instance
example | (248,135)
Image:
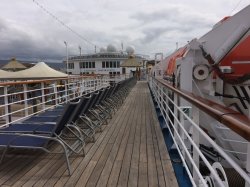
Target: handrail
(43,80)
(234,120)
(56,79)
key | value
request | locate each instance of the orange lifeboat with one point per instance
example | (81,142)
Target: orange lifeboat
(171,67)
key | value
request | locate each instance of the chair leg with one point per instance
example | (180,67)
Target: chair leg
(68,165)
(3,154)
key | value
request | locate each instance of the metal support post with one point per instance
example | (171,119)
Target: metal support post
(196,139)
(248,163)
(43,95)
(25,97)
(6,105)
(55,93)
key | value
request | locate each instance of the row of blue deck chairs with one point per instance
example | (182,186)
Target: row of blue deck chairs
(71,125)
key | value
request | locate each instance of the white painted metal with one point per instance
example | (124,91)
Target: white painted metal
(43,95)
(182,145)
(25,91)
(218,44)
(196,139)
(6,101)
(47,95)
(248,163)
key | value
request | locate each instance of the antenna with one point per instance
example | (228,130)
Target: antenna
(62,23)
(80,49)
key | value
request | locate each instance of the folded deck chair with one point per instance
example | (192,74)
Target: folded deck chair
(87,129)
(46,124)
(50,115)
(70,140)
(95,120)
(103,113)
(82,118)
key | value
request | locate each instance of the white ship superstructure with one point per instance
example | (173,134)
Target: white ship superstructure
(104,62)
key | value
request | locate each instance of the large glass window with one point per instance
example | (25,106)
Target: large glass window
(71,66)
(107,64)
(93,64)
(82,65)
(118,64)
(103,64)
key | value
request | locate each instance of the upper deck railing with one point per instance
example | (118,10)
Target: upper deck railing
(191,125)
(22,99)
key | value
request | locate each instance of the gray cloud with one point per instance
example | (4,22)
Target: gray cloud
(16,43)
(28,32)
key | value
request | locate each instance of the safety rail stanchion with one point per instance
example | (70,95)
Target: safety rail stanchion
(25,97)
(55,92)
(6,102)
(196,139)
(188,142)
(248,162)
(43,96)
(66,90)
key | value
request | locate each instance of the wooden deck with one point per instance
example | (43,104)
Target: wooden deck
(129,152)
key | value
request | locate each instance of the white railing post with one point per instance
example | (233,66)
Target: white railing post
(6,104)
(175,113)
(25,97)
(66,90)
(160,96)
(43,95)
(55,93)
(181,132)
(248,163)
(196,139)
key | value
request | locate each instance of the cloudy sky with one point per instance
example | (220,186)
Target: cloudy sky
(27,31)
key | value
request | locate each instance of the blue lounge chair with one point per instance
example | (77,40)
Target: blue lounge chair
(43,135)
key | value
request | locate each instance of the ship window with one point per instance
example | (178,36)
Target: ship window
(82,65)
(111,64)
(90,64)
(118,64)
(107,64)
(114,64)
(103,64)
(93,64)
(71,65)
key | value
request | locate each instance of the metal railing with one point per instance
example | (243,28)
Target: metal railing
(22,99)
(184,125)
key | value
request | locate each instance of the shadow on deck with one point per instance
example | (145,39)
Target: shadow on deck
(129,152)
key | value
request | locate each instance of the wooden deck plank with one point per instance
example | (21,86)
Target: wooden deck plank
(143,168)
(47,167)
(106,135)
(129,152)
(93,179)
(111,159)
(134,166)
(114,175)
(98,169)
(170,179)
(33,165)
(7,173)
(80,169)
(152,171)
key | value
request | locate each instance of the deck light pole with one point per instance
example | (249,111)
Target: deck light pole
(67,56)
(80,49)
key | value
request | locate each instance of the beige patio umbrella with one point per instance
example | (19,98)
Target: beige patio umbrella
(14,65)
(131,62)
